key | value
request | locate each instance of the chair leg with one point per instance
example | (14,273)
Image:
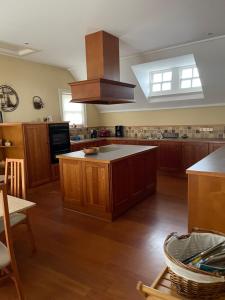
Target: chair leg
(18,286)
(30,232)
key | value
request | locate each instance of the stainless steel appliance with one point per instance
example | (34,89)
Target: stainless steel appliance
(119,132)
(59,138)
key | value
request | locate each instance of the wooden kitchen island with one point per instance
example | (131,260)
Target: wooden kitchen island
(108,183)
(206,192)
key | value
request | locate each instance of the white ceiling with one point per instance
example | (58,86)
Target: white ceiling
(58,27)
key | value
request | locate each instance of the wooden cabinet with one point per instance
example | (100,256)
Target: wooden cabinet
(121,141)
(173,156)
(133,179)
(81,145)
(85,187)
(193,152)
(72,183)
(214,146)
(96,186)
(37,154)
(107,188)
(206,193)
(170,156)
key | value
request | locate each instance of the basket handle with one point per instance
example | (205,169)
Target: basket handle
(175,234)
(171,235)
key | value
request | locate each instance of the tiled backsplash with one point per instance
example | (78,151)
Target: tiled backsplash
(204,131)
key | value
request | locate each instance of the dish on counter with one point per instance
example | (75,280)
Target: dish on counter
(90,150)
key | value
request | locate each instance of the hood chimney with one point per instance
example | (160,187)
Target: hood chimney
(103,73)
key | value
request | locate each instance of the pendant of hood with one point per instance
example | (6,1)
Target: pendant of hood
(102,85)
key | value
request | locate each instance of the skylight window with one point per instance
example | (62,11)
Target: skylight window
(180,80)
(172,79)
(189,78)
(162,81)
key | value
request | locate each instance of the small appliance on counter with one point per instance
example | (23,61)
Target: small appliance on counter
(104,133)
(94,134)
(119,131)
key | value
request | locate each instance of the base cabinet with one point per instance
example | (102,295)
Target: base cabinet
(174,157)
(206,202)
(81,145)
(193,152)
(170,156)
(107,189)
(214,146)
(37,154)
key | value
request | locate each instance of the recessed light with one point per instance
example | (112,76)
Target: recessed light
(26,43)
(210,33)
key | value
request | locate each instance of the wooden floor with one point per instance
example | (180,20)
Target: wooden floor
(83,258)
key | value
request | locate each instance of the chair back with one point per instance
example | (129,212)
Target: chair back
(13,273)
(15,177)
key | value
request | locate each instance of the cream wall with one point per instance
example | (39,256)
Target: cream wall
(93,118)
(33,79)
(188,116)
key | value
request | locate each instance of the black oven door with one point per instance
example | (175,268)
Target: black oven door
(59,138)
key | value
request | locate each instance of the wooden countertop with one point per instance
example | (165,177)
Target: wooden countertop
(108,153)
(211,165)
(190,140)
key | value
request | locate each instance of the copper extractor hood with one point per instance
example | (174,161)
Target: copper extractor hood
(103,84)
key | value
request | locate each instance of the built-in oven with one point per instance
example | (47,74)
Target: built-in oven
(59,138)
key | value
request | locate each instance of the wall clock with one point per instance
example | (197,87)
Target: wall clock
(9,99)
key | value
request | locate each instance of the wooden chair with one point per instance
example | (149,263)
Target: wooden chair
(8,266)
(15,183)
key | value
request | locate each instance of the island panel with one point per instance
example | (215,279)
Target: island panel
(206,192)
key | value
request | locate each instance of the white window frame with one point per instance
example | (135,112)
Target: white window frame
(63,92)
(166,81)
(191,89)
(175,84)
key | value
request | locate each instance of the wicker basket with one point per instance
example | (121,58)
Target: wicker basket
(188,280)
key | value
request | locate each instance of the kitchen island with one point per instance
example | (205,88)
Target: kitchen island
(108,183)
(206,192)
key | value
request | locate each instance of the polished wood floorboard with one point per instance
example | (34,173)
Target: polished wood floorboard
(80,257)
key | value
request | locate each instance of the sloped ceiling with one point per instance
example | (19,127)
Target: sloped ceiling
(210,60)
(57,28)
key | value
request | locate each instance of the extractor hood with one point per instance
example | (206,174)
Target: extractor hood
(103,84)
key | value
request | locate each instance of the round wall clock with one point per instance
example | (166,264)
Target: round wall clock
(9,99)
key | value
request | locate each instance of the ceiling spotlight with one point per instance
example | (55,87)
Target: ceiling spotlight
(26,43)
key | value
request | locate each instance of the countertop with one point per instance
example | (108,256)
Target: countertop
(211,165)
(197,140)
(108,153)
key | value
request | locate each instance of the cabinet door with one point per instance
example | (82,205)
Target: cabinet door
(71,182)
(37,154)
(96,186)
(214,146)
(170,156)
(193,152)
